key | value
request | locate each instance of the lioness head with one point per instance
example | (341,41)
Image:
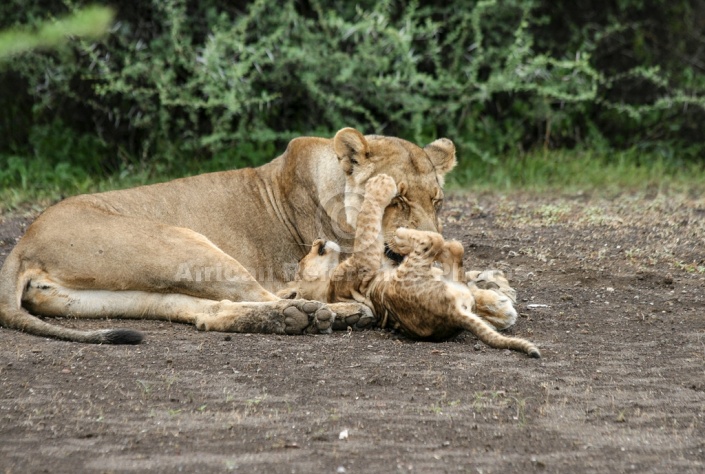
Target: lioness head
(418,172)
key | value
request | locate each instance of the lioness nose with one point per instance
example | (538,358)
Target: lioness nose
(427,224)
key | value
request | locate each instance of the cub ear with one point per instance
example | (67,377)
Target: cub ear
(288,294)
(351,148)
(442,155)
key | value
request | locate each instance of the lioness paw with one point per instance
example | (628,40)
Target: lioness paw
(309,317)
(276,317)
(352,315)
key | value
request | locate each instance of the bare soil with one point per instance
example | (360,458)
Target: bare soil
(612,291)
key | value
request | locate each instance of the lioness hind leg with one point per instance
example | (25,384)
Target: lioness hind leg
(47,298)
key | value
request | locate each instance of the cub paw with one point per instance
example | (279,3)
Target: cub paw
(403,243)
(493,280)
(494,307)
(421,242)
(381,187)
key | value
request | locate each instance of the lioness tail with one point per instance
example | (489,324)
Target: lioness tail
(13,316)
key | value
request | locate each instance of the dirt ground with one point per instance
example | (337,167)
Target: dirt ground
(611,289)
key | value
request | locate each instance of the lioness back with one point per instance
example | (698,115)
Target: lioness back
(210,250)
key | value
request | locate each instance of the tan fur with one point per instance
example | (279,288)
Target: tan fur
(210,250)
(414,297)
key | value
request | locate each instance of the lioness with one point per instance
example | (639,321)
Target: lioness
(423,301)
(210,250)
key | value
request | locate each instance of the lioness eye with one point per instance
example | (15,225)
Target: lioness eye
(438,204)
(399,202)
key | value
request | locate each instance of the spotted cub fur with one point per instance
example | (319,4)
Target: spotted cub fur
(417,297)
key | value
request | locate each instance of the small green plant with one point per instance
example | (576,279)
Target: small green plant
(145,387)
(691,267)
(621,417)
(253,403)
(521,410)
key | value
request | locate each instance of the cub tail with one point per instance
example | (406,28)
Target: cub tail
(487,334)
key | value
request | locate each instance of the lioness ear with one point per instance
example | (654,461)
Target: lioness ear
(442,155)
(351,148)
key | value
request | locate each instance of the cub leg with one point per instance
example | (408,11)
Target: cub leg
(495,298)
(451,259)
(492,280)
(422,248)
(352,315)
(493,306)
(355,273)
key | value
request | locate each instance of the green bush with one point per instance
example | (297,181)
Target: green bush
(180,81)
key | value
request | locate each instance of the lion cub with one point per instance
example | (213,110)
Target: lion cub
(421,300)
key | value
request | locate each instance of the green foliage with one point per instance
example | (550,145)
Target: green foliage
(583,170)
(91,22)
(224,84)
(63,163)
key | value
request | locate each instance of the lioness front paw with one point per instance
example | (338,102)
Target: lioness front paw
(308,317)
(274,317)
(352,315)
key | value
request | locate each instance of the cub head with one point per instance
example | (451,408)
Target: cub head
(419,174)
(314,272)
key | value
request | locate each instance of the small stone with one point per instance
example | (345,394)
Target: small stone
(477,347)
